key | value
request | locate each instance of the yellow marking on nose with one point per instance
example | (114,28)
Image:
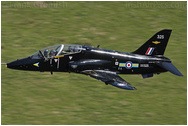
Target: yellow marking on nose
(36,64)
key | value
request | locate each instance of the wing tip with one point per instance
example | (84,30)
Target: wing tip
(133,88)
(181,75)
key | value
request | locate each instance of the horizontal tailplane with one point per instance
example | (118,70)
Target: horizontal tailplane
(171,68)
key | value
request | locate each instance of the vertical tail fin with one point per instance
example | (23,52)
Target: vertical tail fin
(156,45)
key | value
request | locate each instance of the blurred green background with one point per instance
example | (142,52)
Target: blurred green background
(40,98)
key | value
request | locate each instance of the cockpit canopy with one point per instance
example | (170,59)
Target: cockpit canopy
(57,50)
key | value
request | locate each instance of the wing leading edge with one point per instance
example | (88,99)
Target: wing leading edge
(109,78)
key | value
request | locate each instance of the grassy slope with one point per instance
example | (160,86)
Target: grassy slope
(39,98)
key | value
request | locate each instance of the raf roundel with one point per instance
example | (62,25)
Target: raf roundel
(128,65)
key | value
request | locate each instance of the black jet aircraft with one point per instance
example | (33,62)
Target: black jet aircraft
(102,64)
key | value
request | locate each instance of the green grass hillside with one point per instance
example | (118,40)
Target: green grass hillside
(40,98)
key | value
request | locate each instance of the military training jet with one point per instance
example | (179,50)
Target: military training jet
(102,64)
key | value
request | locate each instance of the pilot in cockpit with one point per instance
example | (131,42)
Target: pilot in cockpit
(52,53)
(46,53)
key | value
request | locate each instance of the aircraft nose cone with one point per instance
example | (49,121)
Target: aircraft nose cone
(21,63)
(13,64)
(16,64)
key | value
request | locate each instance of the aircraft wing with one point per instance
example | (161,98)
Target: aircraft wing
(109,78)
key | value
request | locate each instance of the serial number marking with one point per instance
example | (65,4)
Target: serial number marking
(160,36)
(144,65)
(119,68)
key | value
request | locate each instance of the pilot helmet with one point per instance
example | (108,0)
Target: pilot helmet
(46,53)
(52,52)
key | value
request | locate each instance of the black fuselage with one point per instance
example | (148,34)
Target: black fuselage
(94,59)
(103,64)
